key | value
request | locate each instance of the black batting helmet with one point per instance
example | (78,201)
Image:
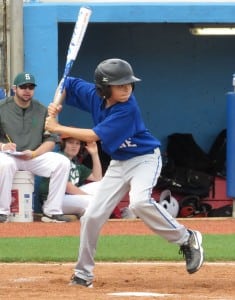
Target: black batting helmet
(114,71)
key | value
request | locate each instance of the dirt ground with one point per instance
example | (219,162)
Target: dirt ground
(126,281)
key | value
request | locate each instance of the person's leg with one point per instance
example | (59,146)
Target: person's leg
(56,166)
(111,191)
(91,187)
(154,215)
(76,204)
(141,202)
(8,167)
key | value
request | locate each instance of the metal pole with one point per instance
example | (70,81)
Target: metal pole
(4,49)
(16,38)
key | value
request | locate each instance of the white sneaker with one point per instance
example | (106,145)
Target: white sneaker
(54,218)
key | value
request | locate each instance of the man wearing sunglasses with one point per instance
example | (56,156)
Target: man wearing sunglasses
(22,120)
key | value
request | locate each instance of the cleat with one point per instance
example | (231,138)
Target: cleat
(3,218)
(54,219)
(193,251)
(79,281)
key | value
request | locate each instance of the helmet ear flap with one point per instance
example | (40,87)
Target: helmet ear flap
(99,91)
(104,91)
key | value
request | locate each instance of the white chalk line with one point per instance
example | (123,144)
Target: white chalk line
(139,294)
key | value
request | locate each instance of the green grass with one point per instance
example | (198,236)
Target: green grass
(111,248)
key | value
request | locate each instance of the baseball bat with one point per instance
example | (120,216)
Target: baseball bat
(81,24)
(74,46)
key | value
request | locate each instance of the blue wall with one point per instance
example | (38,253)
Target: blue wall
(184,78)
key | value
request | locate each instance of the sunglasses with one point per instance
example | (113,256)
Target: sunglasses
(27,86)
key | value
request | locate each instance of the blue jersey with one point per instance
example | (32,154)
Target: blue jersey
(120,127)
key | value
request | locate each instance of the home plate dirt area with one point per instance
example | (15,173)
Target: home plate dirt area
(153,280)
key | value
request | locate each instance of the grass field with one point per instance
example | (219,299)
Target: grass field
(111,248)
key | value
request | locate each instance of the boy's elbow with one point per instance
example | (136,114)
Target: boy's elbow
(93,137)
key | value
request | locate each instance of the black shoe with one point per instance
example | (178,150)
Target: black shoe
(3,218)
(54,219)
(79,281)
(193,251)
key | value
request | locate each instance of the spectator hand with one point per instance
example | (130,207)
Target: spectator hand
(91,148)
(9,146)
(27,155)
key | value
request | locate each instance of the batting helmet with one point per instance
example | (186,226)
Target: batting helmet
(169,203)
(114,71)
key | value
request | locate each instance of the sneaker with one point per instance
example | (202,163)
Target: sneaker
(3,218)
(54,219)
(79,281)
(193,251)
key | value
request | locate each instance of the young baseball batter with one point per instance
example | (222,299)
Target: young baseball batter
(134,168)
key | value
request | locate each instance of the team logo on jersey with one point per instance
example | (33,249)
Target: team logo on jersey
(74,174)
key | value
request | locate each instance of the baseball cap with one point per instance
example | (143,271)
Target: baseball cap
(24,78)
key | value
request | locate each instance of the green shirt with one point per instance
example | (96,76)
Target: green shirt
(25,127)
(78,173)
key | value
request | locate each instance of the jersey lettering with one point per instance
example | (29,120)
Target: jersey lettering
(127,144)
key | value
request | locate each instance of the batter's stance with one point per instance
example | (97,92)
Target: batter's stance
(135,166)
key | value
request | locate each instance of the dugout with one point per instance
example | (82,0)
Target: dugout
(184,77)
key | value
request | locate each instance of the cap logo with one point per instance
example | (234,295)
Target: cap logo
(27,76)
